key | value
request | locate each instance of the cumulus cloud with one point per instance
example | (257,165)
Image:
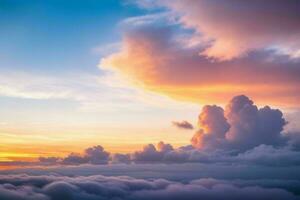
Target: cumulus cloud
(93,155)
(20,187)
(183,125)
(153,57)
(120,158)
(251,126)
(97,155)
(213,128)
(74,159)
(150,153)
(241,126)
(262,155)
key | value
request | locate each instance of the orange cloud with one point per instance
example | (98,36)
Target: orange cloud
(152,59)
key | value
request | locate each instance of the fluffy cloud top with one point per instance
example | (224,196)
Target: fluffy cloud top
(24,187)
(152,154)
(214,127)
(92,155)
(242,126)
(97,155)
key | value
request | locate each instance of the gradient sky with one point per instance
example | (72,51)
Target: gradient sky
(54,98)
(118,73)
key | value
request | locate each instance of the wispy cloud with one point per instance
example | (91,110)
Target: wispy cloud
(92,92)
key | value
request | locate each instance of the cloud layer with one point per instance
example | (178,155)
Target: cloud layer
(91,155)
(19,187)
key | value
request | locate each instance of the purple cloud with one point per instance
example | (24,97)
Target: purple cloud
(183,124)
(241,126)
(20,187)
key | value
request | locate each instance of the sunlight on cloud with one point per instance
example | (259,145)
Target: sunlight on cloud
(151,59)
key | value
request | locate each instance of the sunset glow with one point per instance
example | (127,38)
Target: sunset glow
(149,99)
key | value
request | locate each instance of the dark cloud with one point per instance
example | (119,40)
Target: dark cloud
(120,158)
(294,140)
(268,155)
(105,188)
(183,125)
(182,172)
(163,147)
(93,155)
(251,126)
(150,153)
(97,155)
(74,159)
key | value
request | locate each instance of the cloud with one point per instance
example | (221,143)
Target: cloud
(120,158)
(268,155)
(74,159)
(183,125)
(88,92)
(150,153)
(235,28)
(251,126)
(97,155)
(20,187)
(182,172)
(213,128)
(49,160)
(294,140)
(93,155)
(243,126)
(153,57)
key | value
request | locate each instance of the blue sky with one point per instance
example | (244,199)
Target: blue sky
(56,36)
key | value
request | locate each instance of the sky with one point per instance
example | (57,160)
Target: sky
(80,74)
(54,98)
(149,99)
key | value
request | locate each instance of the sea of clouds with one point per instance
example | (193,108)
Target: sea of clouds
(152,181)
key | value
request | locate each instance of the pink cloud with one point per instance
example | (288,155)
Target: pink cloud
(237,27)
(152,58)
